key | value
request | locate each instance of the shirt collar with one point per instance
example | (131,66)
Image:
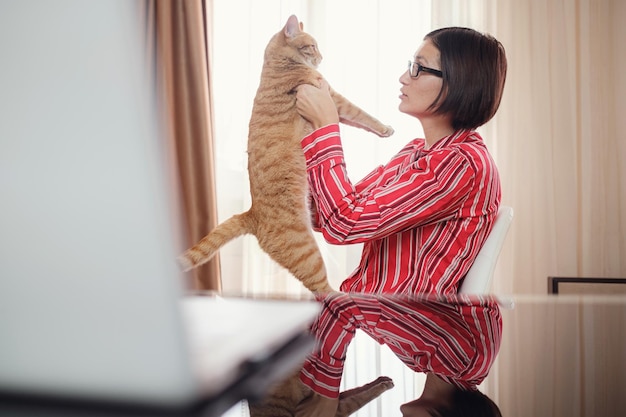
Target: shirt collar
(458,136)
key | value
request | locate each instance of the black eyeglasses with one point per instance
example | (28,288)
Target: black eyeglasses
(415,69)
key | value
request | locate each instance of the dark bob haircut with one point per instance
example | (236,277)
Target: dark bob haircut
(469,404)
(474,69)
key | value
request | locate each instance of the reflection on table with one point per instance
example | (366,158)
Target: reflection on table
(563,356)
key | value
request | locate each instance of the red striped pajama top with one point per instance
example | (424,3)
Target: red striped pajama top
(422,219)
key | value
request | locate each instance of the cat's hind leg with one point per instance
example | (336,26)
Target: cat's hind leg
(295,249)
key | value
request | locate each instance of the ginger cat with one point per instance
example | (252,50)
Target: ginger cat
(279,216)
(285,397)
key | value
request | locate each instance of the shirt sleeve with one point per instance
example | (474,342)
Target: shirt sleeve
(430,189)
(334,329)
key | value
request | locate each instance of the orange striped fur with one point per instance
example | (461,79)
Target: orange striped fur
(279,216)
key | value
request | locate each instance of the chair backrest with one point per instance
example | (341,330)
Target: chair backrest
(479,277)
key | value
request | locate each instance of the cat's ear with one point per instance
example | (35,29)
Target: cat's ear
(292,28)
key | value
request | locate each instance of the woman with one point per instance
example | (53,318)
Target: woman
(422,218)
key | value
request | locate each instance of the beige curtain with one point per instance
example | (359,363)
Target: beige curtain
(558,137)
(561,141)
(180,39)
(562,151)
(560,145)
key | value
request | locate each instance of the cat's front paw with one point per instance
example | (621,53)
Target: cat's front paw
(385,382)
(387,131)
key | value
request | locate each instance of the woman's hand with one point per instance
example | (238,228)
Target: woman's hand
(316,105)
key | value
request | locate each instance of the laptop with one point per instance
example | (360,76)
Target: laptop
(92,308)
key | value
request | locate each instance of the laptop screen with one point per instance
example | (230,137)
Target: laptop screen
(89,285)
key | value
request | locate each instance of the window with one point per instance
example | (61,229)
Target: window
(378,36)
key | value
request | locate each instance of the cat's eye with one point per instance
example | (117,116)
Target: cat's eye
(308,48)
(415,68)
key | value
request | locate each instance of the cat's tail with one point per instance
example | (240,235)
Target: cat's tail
(206,248)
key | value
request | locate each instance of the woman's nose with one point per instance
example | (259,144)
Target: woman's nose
(404,78)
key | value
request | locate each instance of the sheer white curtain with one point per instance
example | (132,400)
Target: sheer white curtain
(365,45)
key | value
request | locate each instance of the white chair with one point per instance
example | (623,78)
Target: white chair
(479,277)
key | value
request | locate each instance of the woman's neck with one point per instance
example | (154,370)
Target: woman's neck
(437,393)
(435,387)
(436,129)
